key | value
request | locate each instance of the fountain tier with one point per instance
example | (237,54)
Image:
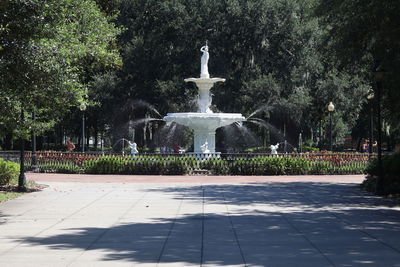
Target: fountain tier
(204,122)
(204,98)
(204,126)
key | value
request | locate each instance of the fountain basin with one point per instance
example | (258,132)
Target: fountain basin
(204,126)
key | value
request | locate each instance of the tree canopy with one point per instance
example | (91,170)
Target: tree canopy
(359,36)
(269,52)
(285,59)
(48,52)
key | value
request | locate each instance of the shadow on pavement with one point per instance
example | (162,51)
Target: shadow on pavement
(277,224)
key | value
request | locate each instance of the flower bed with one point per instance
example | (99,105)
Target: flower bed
(217,164)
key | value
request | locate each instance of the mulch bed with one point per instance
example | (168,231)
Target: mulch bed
(32,187)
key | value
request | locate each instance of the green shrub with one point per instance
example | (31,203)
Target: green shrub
(145,165)
(269,165)
(182,164)
(276,165)
(104,165)
(57,167)
(60,167)
(8,171)
(310,149)
(240,166)
(174,167)
(321,167)
(391,169)
(297,166)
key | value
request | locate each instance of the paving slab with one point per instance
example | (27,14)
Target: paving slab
(88,220)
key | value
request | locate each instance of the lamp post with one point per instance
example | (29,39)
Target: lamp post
(300,143)
(83,107)
(331,108)
(370,97)
(22,178)
(34,158)
(378,75)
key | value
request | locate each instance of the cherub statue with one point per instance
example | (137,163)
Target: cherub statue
(274,149)
(204,148)
(133,147)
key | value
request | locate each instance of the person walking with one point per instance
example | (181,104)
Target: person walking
(70,146)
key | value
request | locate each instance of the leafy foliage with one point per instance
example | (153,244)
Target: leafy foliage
(391,167)
(8,171)
(269,51)
(248,40)
(136,165)
(231,164)
(359,36)
(285,58)
(48,52)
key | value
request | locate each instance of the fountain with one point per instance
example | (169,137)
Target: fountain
(204,122)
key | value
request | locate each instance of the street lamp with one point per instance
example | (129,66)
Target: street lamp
(83,107)
(331,108)
(300,143)
(33,158)
(22,177)
(370,97)
(378,75)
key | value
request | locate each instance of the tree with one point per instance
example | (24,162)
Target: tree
(253,44)
(361,34)
(48,52)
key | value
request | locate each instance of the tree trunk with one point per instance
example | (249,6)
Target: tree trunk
(61,136)
(96,133)
(8,142)
(87,138)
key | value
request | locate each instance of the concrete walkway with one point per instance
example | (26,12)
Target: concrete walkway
(199,221)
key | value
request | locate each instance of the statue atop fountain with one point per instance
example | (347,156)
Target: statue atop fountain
(204,62)
(204,83)
(204,122)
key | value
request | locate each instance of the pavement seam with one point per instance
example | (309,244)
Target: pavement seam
(233,229)
(107,229)
(169,232)
(301,233)
(59,221)
(202,229)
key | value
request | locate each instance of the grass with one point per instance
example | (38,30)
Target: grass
(10,191)
(4,195)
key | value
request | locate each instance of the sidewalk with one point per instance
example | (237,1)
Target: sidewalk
(90,178)
(199,221)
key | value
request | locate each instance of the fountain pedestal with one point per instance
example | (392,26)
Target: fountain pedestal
(204,85)
(204,141)
(204,126)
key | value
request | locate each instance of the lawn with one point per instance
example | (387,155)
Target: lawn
(7,195)
(8,192)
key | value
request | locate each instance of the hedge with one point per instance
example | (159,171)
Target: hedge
(391,169)
(226,165)
(8,171)
(151,165)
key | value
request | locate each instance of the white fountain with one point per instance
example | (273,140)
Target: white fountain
(204,122)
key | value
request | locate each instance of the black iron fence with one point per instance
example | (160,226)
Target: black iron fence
(193,163)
